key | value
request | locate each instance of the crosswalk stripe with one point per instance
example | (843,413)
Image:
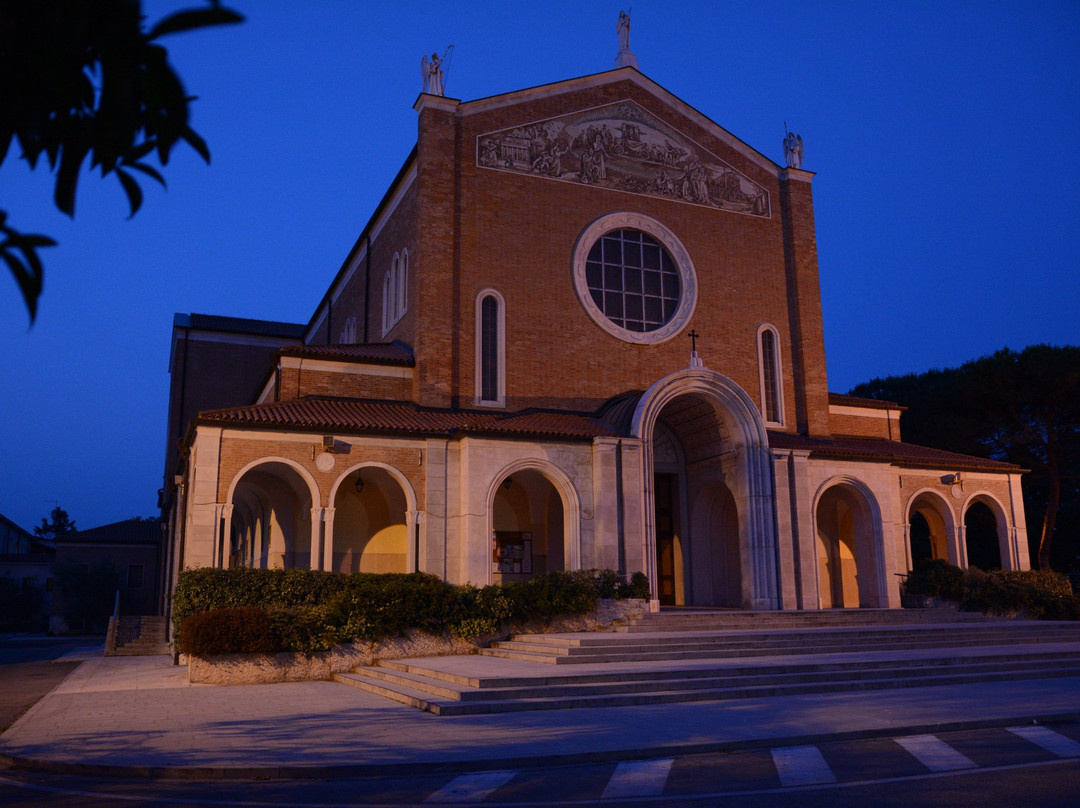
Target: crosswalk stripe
(638,778)
(470,787)
(935,754)
(1049,740)
(801,766)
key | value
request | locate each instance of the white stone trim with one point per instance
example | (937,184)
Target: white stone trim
(305,475)
(876,541)
(412,511)
(571,500)
(346,368)
(948,516)
(1006,544)
(687,276)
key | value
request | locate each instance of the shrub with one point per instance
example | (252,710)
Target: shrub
(1037,594)
(937,579)
(638,587)
(243,630)
(306,612)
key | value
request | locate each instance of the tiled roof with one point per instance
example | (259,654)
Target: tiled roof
(240,325)
(354,415)
(857,401)
(376,353)
(130,531)
(907,454)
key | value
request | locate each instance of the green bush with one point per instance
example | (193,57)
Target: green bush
(937,579)
(1037,594)
(305,611)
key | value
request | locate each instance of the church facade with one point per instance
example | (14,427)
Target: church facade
(582,330)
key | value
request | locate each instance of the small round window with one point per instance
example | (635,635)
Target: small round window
(634,278)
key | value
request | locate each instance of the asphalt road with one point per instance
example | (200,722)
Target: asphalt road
(990,767)
(27,671)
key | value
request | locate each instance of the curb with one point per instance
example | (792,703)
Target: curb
(373,770)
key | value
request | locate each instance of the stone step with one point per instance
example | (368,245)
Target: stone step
(684,671)
(699,662)
(714,679)
(577,655)
(417,693)
(737,620)
(788,636)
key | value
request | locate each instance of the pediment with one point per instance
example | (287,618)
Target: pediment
(622,147)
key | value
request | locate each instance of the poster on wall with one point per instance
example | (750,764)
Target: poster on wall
(511,552)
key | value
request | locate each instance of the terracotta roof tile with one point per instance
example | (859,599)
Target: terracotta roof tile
(377,353)
(354,415)
(887,450)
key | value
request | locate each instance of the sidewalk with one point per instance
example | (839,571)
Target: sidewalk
(138,716)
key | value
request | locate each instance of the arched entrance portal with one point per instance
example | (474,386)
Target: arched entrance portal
(528,527)
(710,536)
(697,523)
(270,525)
(848,568)
(371,531)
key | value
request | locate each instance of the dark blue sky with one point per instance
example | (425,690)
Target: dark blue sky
(944,136)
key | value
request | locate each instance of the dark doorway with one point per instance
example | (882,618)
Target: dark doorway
(921,546)
(665,495)
(983,550)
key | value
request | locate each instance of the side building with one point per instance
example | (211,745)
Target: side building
(118,564)
(582,329)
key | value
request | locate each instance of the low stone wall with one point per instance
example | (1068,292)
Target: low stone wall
(248,669)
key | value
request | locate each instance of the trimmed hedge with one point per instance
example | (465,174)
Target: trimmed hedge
(1037,594)
(266,611)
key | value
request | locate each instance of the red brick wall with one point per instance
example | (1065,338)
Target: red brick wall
(516,233)
(299,382)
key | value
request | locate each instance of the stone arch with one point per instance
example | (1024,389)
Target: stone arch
(851,565)
(745,469)
(978,546)
(940,523)
(372,529)
(277,497)
(562,539)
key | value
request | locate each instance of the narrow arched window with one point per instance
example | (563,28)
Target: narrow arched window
(772,401)
(403,284)
(393,294)
(490,348)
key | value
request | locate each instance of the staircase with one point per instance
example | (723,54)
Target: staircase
(136,636)
(706,656)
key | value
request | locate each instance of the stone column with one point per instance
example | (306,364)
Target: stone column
(786,533)
(226,533)
(805,526)
(1019,552)
(316,535)
(328,539)
(412,561)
